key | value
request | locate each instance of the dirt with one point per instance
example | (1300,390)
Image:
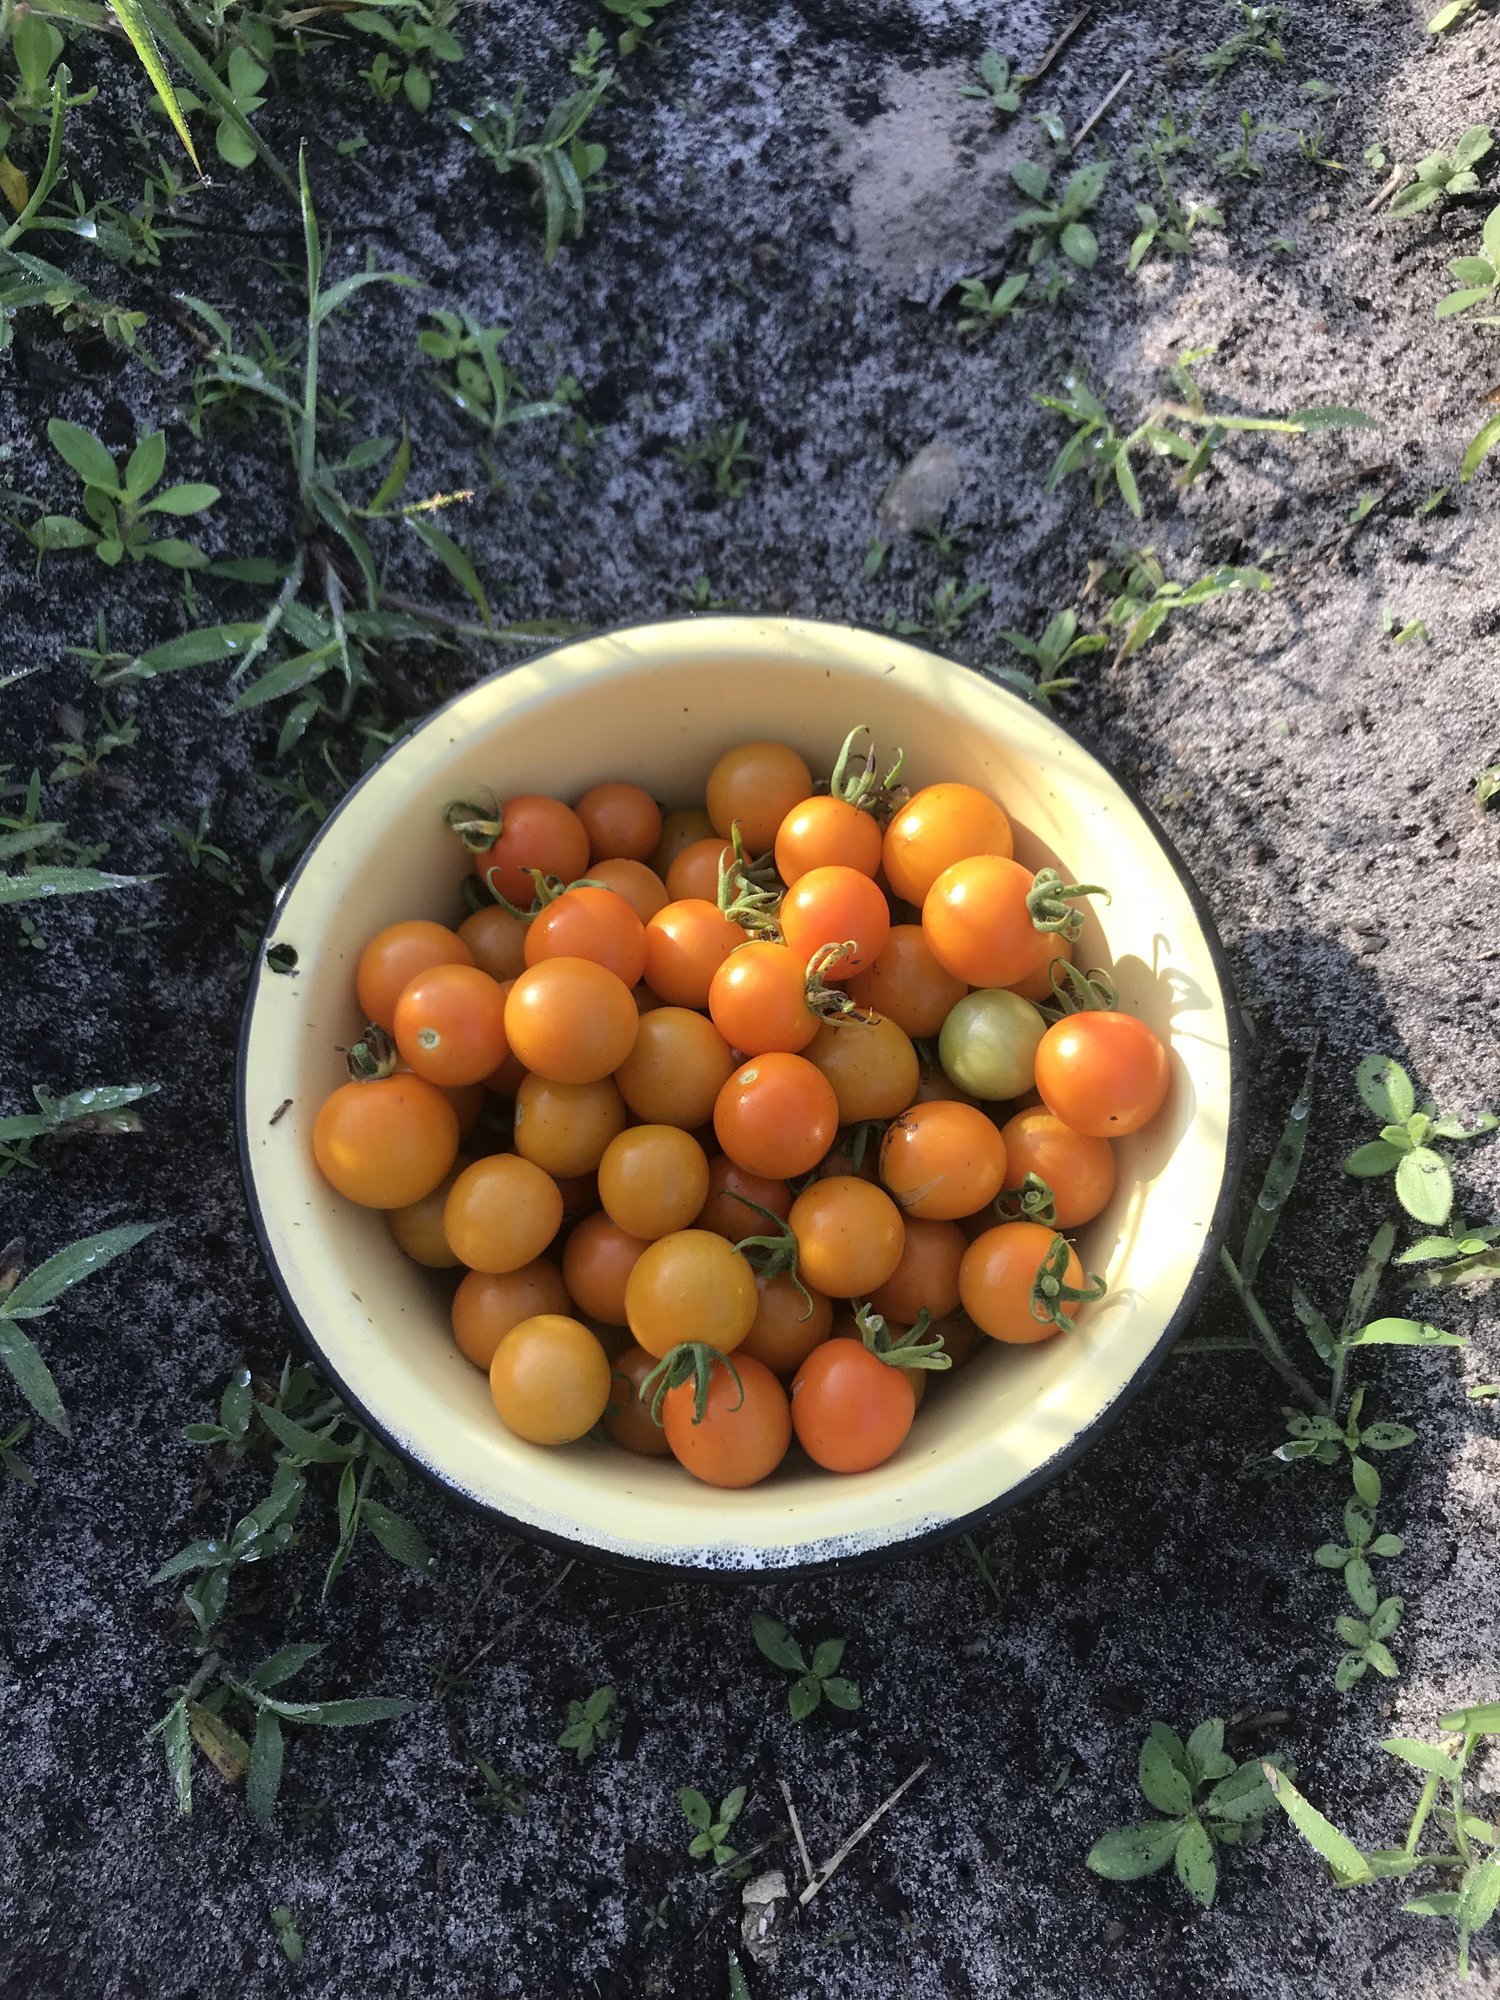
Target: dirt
(791,188)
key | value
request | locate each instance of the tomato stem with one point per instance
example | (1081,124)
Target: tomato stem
(913,1349)
(862,786)
(1032,1201)
(1050,902)
(773,1255)
(830,1003)
(690,1361)
(372,1056)
(1050,1291)
(1076,992)
(477,824)
(749,893)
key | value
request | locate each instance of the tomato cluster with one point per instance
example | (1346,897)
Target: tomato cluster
(743,1119)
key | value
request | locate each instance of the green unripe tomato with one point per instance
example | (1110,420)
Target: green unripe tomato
(989,1042)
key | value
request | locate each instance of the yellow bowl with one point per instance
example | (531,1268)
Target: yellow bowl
(658,703)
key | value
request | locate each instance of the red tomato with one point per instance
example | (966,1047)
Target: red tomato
(937,826)
(998,1277)
(757,784)
(622,822)
(393,958)
(450,1024)
(851,1410)
(1079,1170)
(386,1144)
(686,943)
(534,833)
(976,922)
(758,1000)
(824,833)
(570,1020)
(907,984)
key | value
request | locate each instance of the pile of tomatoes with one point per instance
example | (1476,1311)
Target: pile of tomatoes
(746,1118)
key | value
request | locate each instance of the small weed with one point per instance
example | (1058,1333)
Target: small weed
(1439,175)
(1058,225)
(77,757)
(591,1724)
(503,1792)
(1257,35)
(999,88)
(984,307)
(201,853)
(121,516)
(1478,278)
(1424,1186)
(639,17)
(1146,597)
(101,1109)
(563,166)
(1236,161)
(478,382)
(1403,632)
(711,1829)
(417,34)
(721,452)
(242,79)
(36,1294)
(1060,644)
(657,1918)
(817,1679)
(288,1933)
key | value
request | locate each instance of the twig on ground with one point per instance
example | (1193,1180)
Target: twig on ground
(836,1861)
(791,1813)
(1036,75)
(511,1624)
(1089,123)
(738,1860)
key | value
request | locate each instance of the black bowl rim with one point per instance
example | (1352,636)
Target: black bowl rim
(923,1538)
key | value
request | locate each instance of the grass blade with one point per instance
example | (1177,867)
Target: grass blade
(208,80)
(1281,1177)
(32,1376)
(130,17)
(1336,1848)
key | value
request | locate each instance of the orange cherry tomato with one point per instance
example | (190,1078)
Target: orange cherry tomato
(597,1261)
(691,1285)
(942,1161)
(836,906)
(849,1237)
(871,1064)
(501,1213)
(744,1431)
(826,833)
(686,943)
(1079,1170)
(907,985)
(786,1327)
(757,784)
(496,939)
(622,821)
(595,924)
(961,1338)
(488,1304)
(534,833)
(1037,984)
(997,1278)
(564,1128)
(851,1410)
(758,1000)
(679,829)
(386,1144)
(977,924)
(418,1229)
(580,1193)
(393,958)
(937,826)
(926,1279)
(776,1116)
(676,1070)
(570,1020)
(728,1213)
(1103,1074)
(628,1420)
(641,886)
(550,1379)
(694,875)
(653,1179)
(450,1024)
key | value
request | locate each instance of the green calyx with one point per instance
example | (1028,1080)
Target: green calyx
(1050,902)
(831,1003)
(478,823)
(1050,1291)
(1032,1201)
(774,1254)
(749,894)
(1075,992)
(918,1347)
(372,1056)
(691,1361)
(857,781)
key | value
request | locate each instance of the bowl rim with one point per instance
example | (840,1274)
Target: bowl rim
(928,1537)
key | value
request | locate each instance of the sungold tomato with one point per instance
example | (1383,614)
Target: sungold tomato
(622,821)
(758,1000)
(676,1070)
(691,1285)
(997,1277)
(686,943)
(1103,1074)
(776,1116)
(597,1261)
(937,826)
(393,958)
(926,1279)
(942,1161)
(550,1379)
(641,886)
(418,1229)
(871,1064)
(788,1325)
(564,1128)
(570,1020)
(496,938)
(450,1024)
(851,1411)
(836,906)
(757,784)
(501,1213)
(595,924)
(1079,1169)
(653,1179)
(826,832)
(387,1143)
(907,985)
(744,1431)
(694,875)
(679,829)
(628,1419)
(976,922)
(849,1236)
(488,1304)
(731,1190)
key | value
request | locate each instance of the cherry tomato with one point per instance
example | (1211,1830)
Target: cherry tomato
(1037,984)
(597,1261)
(570,1020)
(686,943)
(468,1100)
(745,1429)
(907,985)
(386,1144)
(550,1379)
(937,826)
(694,875)
(628,1420)
(996,1278)
(595,924)
(826,833)
(418,1229)
(502,1213)
(580,1193)
(535,833)
(691,1285)
(622,822)
(776,1116)
(836,906)
(488,1304)
(786,1327)
(393,958)
(679,829)
(757,784)
(961,1338)
(641,886)
(847,1327)
(942,1161)
(926,1279)
(849,1237)
(870,1063)
(935,1087)
(496,939)
(564,1128)
(1080,1170)
(1103,1074)
(726,1214)
(976,921)
(653,1180)
(851,1411)
(989,1043)
(855,1154)
(758,1000)
(450,1024)
(676,1070)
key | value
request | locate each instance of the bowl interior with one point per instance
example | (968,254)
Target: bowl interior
(657,704)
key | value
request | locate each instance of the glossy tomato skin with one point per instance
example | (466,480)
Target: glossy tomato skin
(1080,1170)
(628,1419)
(653,1179)
(622,821)
(550,1379)
(450,1024)
(496,940)
(386,1144)
(641,886)
(907,985)
(501,1213)
(758,1000)
(757,784)
(942,1161)
(564,1128)
(690,1286)
(393,958)
(976,922)
(850,1410)
(727,1211)
(676,1070)
(996,1279)
(537,833)
(745,1429)
(926,1279)
(989,1042)
(871,1064)
(836,906)
(776,1116)
(570,1020)
(686,943)
(787,1326)
(937,826)
(1104,1074)
(849,1236)
(488,1304)
(595,924)
(597,1261)
(694,875)
(826,832)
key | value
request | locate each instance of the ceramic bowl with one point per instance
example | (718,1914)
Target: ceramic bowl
(657,704)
